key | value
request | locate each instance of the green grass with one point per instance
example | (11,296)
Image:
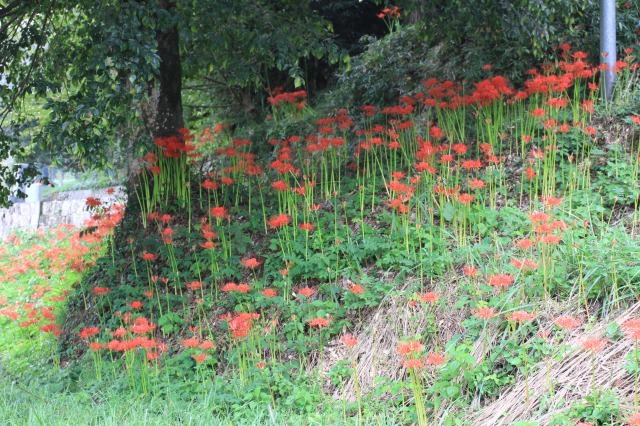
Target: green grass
(37,405)
(92,180)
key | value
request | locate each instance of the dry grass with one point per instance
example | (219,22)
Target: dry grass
(571,379)
(380,333)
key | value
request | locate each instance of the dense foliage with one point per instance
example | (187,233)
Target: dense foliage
(415,249)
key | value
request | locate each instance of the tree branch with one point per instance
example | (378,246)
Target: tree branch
(7,10)
(34,61)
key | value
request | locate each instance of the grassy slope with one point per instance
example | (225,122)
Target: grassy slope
(411,269)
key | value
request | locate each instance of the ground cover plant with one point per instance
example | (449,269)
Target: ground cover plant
(442,260)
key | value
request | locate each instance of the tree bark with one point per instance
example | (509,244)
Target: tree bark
(167,117)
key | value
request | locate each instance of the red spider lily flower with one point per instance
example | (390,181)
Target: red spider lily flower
(459,148)
(209,185)
(524,264)
(251,263)
(208,245)
(501,281)
(465,199)
(165,218)
(119,332)
(423,167)
(368,110)
(279,185)
(149,257)
(413,364)
(51,328)
(634,420)
(392,12)
(199,358)
(319,322)
(243,288)
(435,132)
(544,334)
(194,285)
(279,221)
(136,304)
(567,322)
(349,341)
(477,184)
(300,190)
(587,106)
(101,291)
(520,316)
(219,212)
(142,325)
(93,202)
(228,287)
(428,297)
(115,345)
(306,291)
(470,271)
(149,293)
(87,332)
(261,365)
(471,164)
(47,313)
(152,355)
(485,313)
(551,201)
(635,119)
(356,289)
(207,344)
(551,239)
(269,292)
(393,145)
(593,344)
(150,158)
(306,226)
(191,342)
(632,328)
(538,217)
(524,244)
(96,346)
(110,191)
(409,348)
(435,359)
(10,313)
(241,324)
(530,173)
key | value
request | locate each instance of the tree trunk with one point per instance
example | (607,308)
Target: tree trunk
(167,114)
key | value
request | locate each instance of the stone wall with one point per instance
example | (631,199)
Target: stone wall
(61,208)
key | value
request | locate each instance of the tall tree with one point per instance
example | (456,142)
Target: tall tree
(110,72)
(167,105)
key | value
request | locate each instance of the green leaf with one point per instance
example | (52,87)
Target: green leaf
(448,211)
(452,391)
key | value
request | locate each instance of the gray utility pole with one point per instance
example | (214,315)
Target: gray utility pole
(608,44)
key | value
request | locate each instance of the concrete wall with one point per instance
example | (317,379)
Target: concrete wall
(65,207)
